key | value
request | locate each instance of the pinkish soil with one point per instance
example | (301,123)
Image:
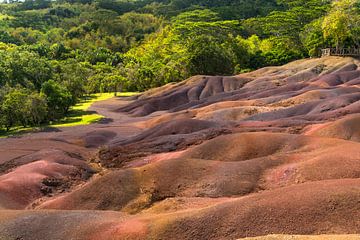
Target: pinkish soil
(271,154)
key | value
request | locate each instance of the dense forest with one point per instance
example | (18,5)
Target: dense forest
(55,52)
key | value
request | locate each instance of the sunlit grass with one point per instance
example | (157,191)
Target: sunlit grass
(77,116)
(88,101)
(77,121)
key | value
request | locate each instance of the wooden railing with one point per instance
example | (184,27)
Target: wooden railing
(344,52)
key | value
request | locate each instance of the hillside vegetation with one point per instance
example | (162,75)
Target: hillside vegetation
(55,52)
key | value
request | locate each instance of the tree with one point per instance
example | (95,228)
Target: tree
(13,110)
(25,68)
(26,35)
(114,83)
(6,37)
(312,37)
(73,75)
(205,15)
(209,57)
(248,53)
(36,109)
(355,24)
(58,51)
(34,4)
(337,24)
(58,99)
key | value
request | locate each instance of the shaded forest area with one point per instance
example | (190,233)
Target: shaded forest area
(55,52)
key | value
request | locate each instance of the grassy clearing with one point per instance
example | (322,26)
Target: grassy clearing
(78,115)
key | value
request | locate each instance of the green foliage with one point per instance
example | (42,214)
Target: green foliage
(342,22)
(24,68)
(312,37)
(58,99)
(181,50)
(203,15)
(21,107)
(36,109)
(78,114)
(227,9)
(206,56)
(12,109)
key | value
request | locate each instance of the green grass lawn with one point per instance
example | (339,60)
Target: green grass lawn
(78,115)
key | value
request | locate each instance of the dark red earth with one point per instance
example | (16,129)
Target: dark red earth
(274,151)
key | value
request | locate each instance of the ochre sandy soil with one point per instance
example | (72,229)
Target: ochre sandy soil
(274,151)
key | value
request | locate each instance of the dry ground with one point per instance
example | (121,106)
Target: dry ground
(275,151)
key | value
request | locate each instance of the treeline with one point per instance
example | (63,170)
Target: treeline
(35,89)
(203,42)
(55,52)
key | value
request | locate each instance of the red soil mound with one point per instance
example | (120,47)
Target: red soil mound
(232,165)
(98,138)
(285,82)
(41,174)
(347,128)
(312,208)
(166,137)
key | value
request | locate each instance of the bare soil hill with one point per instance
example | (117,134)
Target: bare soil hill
(270,154)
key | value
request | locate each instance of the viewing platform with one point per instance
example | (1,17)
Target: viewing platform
(342,52)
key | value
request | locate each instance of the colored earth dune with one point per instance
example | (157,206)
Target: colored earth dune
(268,154)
